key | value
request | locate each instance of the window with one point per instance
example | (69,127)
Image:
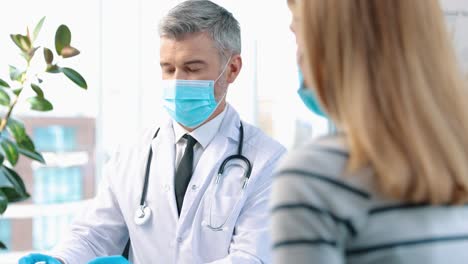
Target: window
(5,233)
(57,185)
(47,230)
(61,181)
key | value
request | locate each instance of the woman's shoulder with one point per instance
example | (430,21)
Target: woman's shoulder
(322,165)
(326,155)
(314,178)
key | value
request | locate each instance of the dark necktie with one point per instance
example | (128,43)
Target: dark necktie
(184,172)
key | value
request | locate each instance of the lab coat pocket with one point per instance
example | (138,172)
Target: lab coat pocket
(219,218)
(219,212)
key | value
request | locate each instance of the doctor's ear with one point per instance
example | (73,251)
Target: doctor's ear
(233,69)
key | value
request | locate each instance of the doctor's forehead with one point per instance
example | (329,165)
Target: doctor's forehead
(195,47)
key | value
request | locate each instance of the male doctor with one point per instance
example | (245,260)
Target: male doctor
(189,214)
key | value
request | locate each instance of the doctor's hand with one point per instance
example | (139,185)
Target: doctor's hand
(110,260)
(38,258)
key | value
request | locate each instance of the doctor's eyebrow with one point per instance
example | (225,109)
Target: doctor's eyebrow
(167,64)
(195,62)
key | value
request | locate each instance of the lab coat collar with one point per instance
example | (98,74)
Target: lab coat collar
(229,127)
(230,124)
(203,134)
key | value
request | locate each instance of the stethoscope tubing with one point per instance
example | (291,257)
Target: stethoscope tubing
(220,170)
(144,211)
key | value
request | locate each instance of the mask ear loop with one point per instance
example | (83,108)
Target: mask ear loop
(222,72)
(224,69)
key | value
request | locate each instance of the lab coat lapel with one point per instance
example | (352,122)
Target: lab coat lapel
(164,150)
(211,159)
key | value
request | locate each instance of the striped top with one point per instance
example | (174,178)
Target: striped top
(322,215)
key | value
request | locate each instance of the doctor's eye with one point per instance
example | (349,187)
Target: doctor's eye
(168,70)
(193,70)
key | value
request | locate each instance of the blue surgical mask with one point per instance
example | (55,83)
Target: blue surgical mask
(308,97)
(190,102)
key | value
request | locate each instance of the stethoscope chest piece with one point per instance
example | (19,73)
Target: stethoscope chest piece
(142,215)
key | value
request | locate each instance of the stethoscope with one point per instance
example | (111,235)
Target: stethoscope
(143,212)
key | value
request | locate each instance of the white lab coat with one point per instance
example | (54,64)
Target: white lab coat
(104,227)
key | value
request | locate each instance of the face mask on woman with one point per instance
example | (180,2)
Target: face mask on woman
(308,97)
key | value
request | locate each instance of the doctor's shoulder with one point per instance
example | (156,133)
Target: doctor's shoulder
(261,148)
(131,147)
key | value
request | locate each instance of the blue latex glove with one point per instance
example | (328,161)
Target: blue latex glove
(110,260)
(35,257)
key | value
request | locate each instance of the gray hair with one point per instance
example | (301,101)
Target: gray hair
(195,16)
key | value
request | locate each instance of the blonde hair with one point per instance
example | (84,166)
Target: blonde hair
(386,72)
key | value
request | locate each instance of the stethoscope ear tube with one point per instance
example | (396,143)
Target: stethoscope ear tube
(147,172)
(239,157)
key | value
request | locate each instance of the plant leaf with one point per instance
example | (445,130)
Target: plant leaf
(16,74)
(4,98)
(3,203)
(14,187)
(5,180)
(14,196)
(40,104)
(31,53)
(13,178)
(48,56)
(68,52)
(27,34)
(62,38)
(38,28)
(17,91)
(4,84)
(23,42)
(28,55)
(75,77)
(16,129)
(25,144)
(15,38)
(37,90)
(11,150)
(32,155)
(53,68)
(2,158)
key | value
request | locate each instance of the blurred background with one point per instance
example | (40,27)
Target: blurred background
(119,58)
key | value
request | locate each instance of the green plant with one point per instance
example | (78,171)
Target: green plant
(14,141)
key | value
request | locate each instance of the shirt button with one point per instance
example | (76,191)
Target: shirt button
(194,187)
(166,187)
(179,240)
